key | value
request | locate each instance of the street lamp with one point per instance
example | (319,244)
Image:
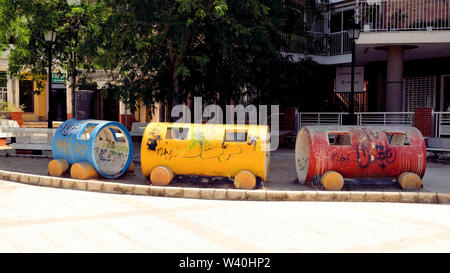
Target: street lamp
(50,37)
(353,34)
(74,65)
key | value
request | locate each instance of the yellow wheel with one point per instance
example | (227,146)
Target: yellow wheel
(410,181)
(83,170)
(161,176)
(332,181)
(245,180)
(131,168)
(57,167)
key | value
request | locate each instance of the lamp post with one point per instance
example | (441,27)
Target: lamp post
(50,37)
(74,65)
(353,34)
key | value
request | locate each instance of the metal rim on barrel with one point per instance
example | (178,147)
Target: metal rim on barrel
(97,155)
(302,148)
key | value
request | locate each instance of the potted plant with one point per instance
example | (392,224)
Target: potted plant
(15,111)
(3,113)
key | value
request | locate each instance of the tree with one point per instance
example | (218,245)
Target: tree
(166,50)
(23,23)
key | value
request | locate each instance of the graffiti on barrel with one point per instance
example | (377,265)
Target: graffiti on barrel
(205,149)
(105,145)
(359,152)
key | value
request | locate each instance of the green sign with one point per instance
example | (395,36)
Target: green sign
(59,77)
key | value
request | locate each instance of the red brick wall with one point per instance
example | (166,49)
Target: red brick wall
(129,120)
(422,120)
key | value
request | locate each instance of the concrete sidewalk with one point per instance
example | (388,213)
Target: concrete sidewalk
(43,219)
(282,175)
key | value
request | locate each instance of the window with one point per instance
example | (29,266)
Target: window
(419,92)
(339,138)
(348,19)
(179,133)
(87,132)
(236,135)
(118,135)
(336,22)
(26,95)
(3,87)
(341,20)
(398,139)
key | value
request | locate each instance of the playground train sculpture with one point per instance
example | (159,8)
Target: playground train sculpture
(329,154)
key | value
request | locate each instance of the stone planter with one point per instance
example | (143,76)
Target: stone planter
(5,115)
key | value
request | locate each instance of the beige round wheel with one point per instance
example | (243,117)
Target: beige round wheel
(57,167)
(131,168)
(161,176)
(333,181)
(410,181)
(245,180)
(83,170)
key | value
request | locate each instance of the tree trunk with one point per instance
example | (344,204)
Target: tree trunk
(175,95)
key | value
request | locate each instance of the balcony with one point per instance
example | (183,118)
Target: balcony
(394,21)
(403,15)
(321,44)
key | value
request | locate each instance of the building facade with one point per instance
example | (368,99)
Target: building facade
(92,103)
(402,63)
(402,55)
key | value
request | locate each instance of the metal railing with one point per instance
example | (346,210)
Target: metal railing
(320,44)
(339,43)
(375,15)
(392,15)
(363,118)
(318,118)
(442,124)
(385,118)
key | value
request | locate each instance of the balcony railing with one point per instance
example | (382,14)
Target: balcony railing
(363,118)
(320,44)
(377,15)
(393,15)
(442,124)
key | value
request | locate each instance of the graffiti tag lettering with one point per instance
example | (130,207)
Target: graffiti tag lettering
(163,152)
(381,155)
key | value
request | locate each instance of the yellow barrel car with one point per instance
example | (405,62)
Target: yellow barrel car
(235,151)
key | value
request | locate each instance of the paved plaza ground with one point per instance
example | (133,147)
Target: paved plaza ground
(41,219)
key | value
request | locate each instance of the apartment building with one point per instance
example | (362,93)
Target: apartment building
(402,56)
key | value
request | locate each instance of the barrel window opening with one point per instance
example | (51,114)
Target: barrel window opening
(119,136)
(86,134)
(397,138)
(236,135)
(111,149)
(339,138)
(179,133)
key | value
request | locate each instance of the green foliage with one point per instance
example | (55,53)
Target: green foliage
(168,50)
(165,51)
(23,23)
(10,107)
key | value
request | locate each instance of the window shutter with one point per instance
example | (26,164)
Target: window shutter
(419,92)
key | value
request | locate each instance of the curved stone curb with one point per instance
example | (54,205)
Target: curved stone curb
(226,194)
